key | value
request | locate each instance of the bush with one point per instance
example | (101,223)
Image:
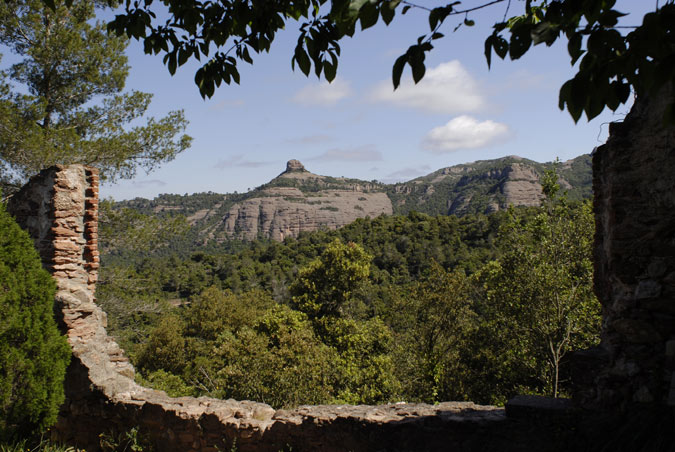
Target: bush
(33,354)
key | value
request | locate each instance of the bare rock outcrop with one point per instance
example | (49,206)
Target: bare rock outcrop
(313,202)
(521,186)
(294,165)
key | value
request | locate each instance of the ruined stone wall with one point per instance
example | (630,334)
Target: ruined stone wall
(634,189)
(59,209)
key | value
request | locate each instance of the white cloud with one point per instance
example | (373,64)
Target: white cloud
(464,132)
(366,153)
(447,88)
(323,94)
(238,161)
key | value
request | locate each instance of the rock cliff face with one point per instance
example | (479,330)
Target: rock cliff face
(488,186)
(297,201)
(288,212)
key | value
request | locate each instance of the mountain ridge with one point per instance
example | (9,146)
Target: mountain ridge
(298,200)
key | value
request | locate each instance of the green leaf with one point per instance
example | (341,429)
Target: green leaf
(368,15)
(501,46)
(416,61)
(594,102)
(246,56)
(329,71)
(544,32)
(183,56)
(235,74)
(521,40)
(574,47)
(578,95)
(397,70)
(564,94)
(388,10)
(170,61)
(438,15)
(469,23)
(303,60)
(488,49)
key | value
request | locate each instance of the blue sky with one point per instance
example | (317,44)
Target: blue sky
(358,126)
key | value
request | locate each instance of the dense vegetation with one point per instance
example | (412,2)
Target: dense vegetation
(33,354)
(415,308)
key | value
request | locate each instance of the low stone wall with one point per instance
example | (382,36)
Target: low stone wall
(59,208)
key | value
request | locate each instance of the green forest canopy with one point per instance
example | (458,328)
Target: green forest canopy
(393,308)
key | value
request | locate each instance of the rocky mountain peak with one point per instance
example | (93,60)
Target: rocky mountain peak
(294,166)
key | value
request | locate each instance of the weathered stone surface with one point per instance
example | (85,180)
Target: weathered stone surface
(533,407)
(287,211)
(294,165)
(279,217)
(634,256)
(521,186)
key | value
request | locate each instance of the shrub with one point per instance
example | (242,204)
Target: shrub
(33,354)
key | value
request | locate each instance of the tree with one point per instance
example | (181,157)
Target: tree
(128,230)
(326,284)
(62,102)
(610,62)
(278,360)
(432,319)
(538,301)
(33,354)
(321,291)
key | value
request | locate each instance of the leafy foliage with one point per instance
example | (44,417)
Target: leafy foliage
(412,307)
(62,102)
(538,297)
(610,63)
(327,283)
(33,354)
(433,318)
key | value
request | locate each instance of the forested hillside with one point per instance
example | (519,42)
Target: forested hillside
(414,307)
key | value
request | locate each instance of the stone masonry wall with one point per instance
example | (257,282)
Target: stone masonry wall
(59,208)
(634,188)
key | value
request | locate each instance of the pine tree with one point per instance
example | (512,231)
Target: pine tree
(33,354)
(63,100)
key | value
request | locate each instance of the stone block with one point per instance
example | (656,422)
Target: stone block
(647,289)
(61,231)
(66,245)
(636,331)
